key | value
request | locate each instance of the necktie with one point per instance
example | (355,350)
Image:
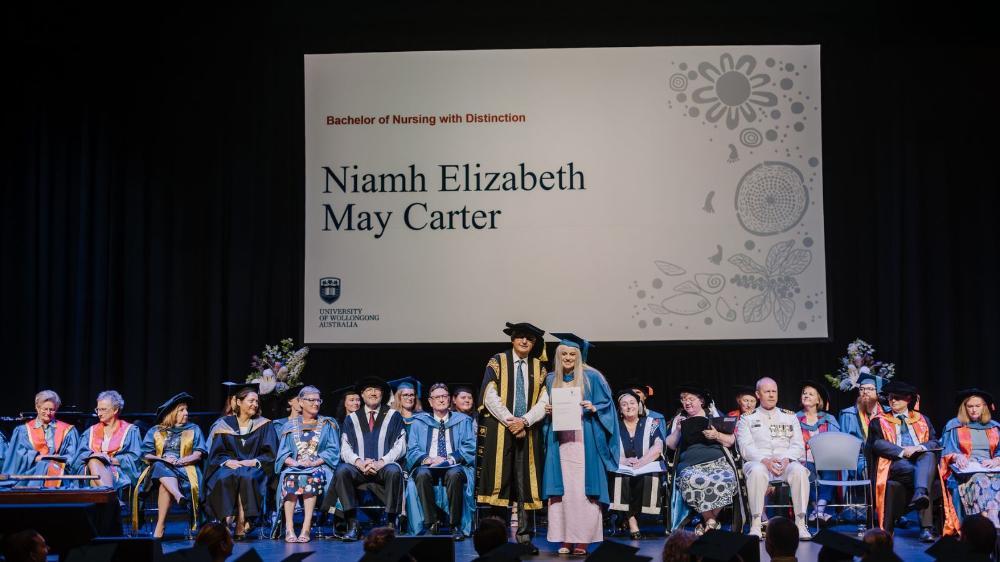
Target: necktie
(904,432)
(520,401)
(371,421)
(442,446)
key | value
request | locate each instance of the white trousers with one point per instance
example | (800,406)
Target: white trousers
(759,478)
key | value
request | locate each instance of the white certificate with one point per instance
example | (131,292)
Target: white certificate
(567,414)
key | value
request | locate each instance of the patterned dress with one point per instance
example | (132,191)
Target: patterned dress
(705,477)
(305,482)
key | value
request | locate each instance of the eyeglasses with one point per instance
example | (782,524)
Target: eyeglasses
(316,400)
(867,388)
(102,410)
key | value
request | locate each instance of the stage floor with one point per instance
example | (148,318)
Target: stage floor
(907,546)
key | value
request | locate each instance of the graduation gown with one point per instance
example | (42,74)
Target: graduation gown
(327,449)
(3,448)
(188,477)
(654,415)
(855,423)
(223,484)
(957,439)
(495,449)
(882,451)
(648,431)
(125,447)
(600,440)
(27,442)
(390,428)
(463,450)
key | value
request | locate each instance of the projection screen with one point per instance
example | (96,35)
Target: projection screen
(624,194)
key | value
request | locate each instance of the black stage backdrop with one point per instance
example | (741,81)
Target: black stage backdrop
(153,193)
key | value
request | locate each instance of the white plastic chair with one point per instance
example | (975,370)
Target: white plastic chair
(837,451)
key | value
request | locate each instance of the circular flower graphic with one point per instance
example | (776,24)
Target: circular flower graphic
(734,90)
(771,198)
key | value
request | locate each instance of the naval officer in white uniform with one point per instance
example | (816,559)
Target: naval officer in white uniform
(771,444)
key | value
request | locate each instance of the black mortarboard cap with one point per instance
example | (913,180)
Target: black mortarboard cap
(722,546)
(952,549)
(899,387)
(849,546)
(612,551)
(234,388)
(92,553)
(173,401)
(965,394)
(507,552)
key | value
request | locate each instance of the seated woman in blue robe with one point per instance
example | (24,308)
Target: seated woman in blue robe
(705,478)
(308,453)
(635,484)
(173,449)
(111,449)
(240,462)
(814,418)
(971,438)
(406,399)
(43,446)
(441,449)
(574,478)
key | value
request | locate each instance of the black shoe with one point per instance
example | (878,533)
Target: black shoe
(927,535)
(390,523)
(436,528)
(352,533)
(920,501)
(534,549)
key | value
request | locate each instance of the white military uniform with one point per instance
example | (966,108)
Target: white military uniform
(772,433)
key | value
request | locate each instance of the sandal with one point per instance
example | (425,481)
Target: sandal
(712,525)
(304,537)
(290,536)
(579,551)
(699,529)
(635,535)
(564,549)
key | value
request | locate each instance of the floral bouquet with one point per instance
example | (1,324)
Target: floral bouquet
(278,367)
(860,359)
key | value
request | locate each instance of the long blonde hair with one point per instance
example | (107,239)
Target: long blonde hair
(963,414)
(557,370)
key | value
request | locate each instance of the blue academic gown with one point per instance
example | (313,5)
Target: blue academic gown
(3,447)
(851,423)
(600,439)
(128,455)
(951,446)
(327,449)
(463,447)
(20,457)
(654,415)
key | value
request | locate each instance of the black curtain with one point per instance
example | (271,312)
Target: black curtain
(152,195)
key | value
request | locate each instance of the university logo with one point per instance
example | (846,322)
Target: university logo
(329,289)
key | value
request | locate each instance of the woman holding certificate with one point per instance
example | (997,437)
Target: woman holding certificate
(581,447)
(970,465)
(706,477)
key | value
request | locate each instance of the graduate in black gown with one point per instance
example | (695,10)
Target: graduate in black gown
(240,462)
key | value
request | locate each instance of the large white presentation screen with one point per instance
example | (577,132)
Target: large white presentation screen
(624,194)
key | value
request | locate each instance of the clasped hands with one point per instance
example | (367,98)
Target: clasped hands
(435,460)
(369,466)
(634,462)
(775,465)
(517,426)
(234,464)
